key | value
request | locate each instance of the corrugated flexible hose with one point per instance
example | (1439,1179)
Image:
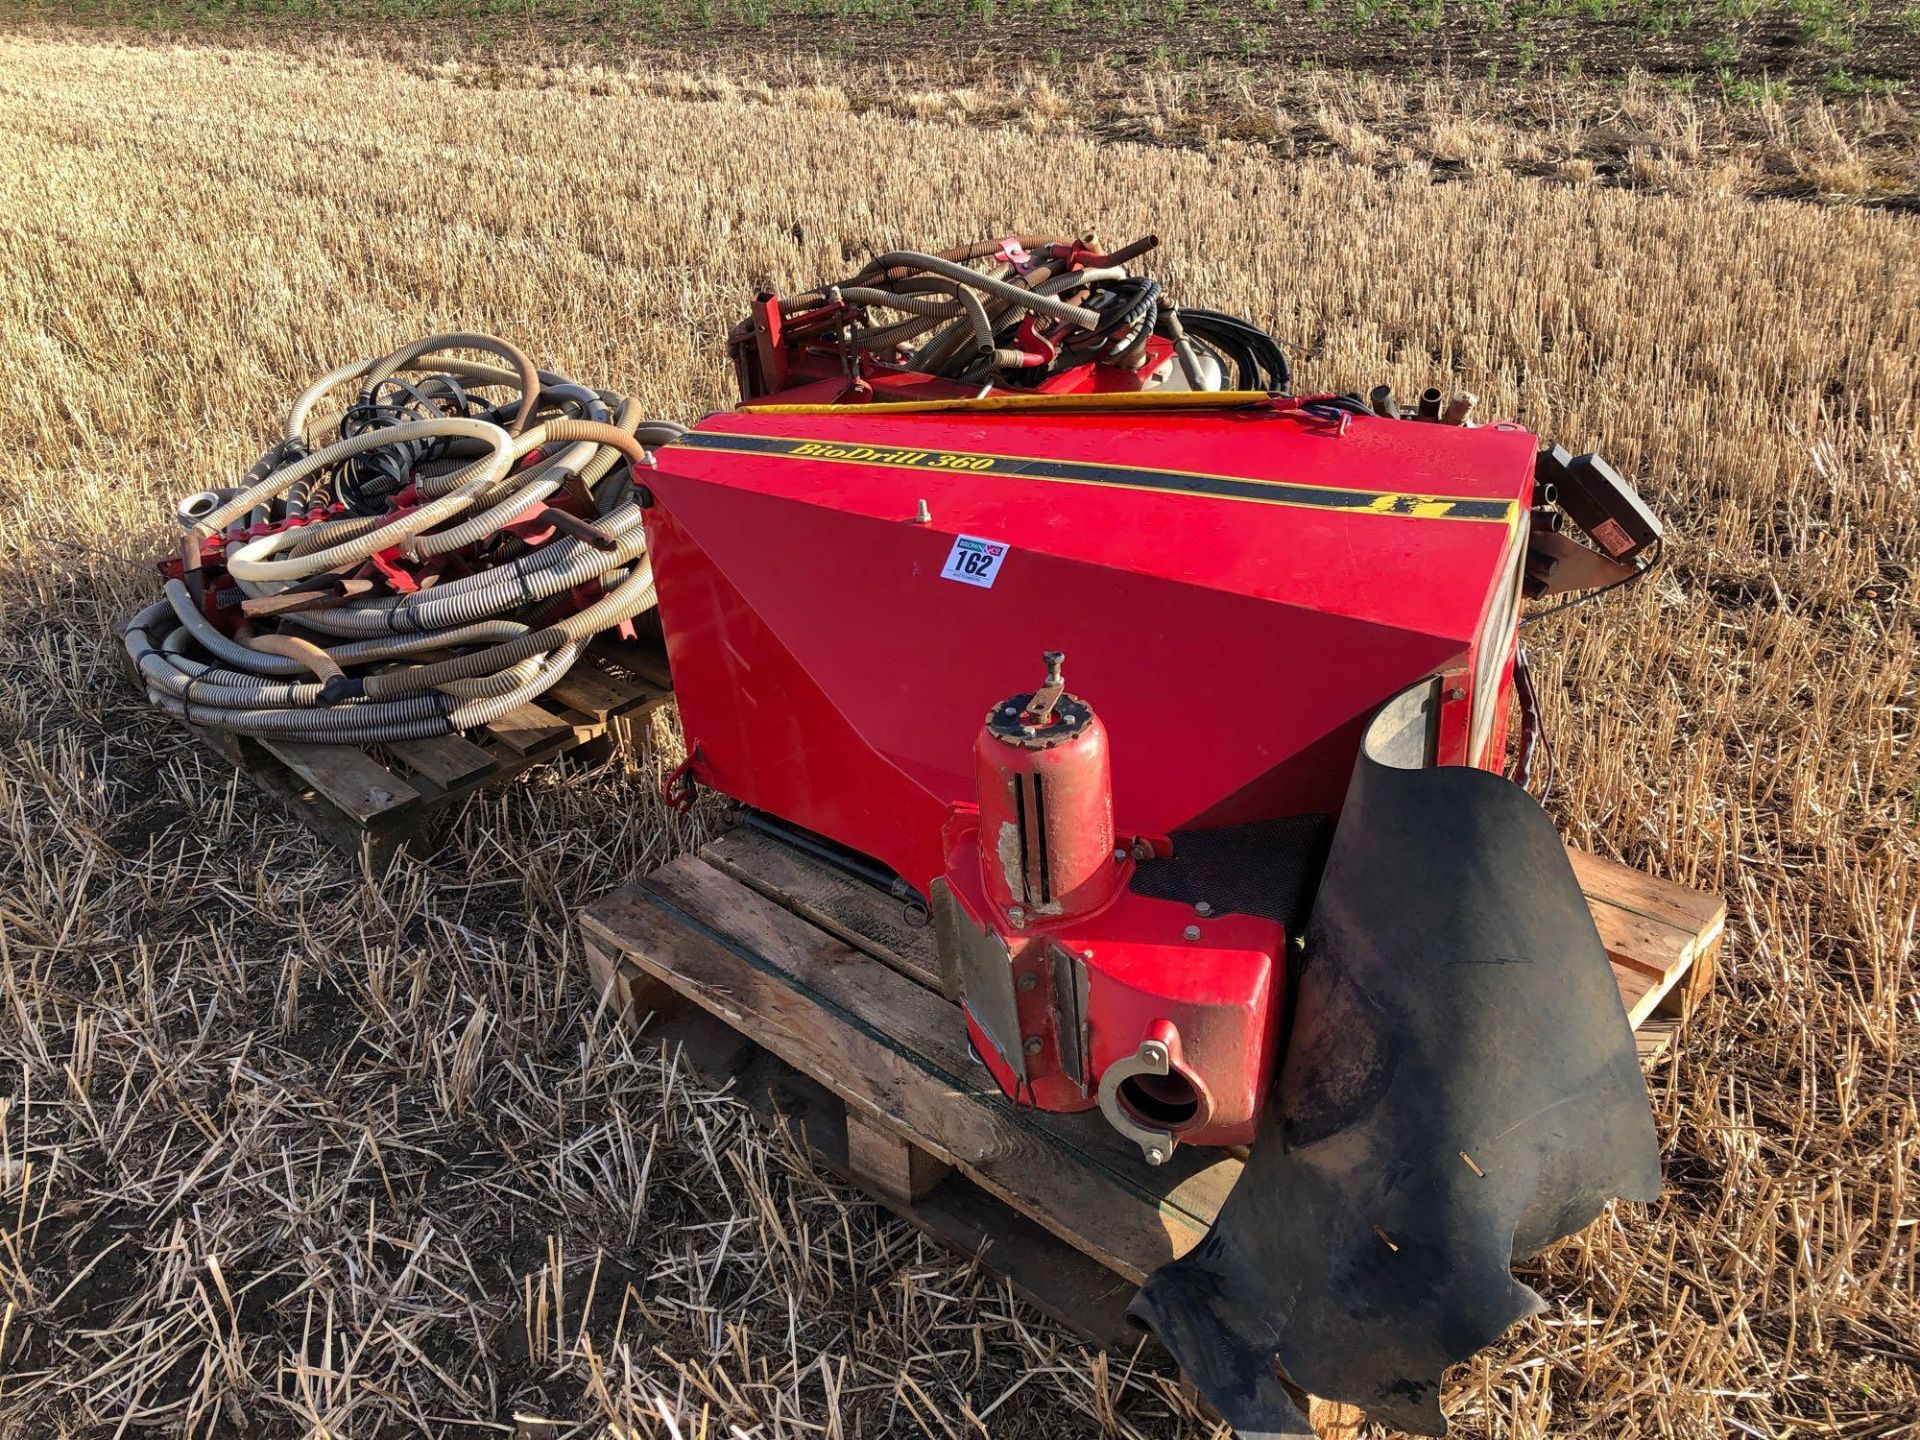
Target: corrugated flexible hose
(468,547)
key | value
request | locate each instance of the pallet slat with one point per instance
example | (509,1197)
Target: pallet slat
(443,759)
(1695,912)
(528,728)
(380,799)
(783,1002)
(832,900)
(825,983)
(592,693)
(1666,931)
(360,786)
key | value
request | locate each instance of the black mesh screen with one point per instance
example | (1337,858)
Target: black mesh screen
(1268,867)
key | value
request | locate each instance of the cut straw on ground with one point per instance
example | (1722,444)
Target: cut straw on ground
(287,1149)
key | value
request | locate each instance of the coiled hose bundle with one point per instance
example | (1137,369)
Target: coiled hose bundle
(1044,305)
(425,560)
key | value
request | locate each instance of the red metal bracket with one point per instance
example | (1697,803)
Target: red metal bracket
(679,789)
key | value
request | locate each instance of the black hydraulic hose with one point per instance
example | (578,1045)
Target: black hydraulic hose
(858,866)
(1129,309)
(1332,407)
(1258,360)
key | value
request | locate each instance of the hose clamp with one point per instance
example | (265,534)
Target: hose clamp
(1156,1144)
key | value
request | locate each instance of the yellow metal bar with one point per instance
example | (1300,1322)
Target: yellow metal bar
(1031,404)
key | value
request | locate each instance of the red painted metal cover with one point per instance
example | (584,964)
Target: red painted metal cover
(1235,590)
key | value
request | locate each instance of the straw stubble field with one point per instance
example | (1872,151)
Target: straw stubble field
(288,1149)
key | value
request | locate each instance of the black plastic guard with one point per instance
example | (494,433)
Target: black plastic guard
(1460,1088)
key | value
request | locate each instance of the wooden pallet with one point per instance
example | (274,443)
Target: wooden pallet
(385,798)
(820,999)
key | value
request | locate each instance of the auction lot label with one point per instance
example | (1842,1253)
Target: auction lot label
(973,561)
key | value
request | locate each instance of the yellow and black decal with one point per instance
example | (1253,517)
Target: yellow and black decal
(1129,477)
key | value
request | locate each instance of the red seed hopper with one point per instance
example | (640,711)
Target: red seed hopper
(1180,700)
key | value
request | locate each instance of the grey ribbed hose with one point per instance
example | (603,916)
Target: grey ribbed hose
(172,678)
(249,562)
(395,647)
(321,534)
(520,502)
(243,659)
(320,727)
(219,645)
(1078,279)
(1000,289)
(605,457)
(193,628)
(616,441)
(206,684)
(499,442)
(473,598)
(550,673)
(185,689)
(501,682)
(585,461)
(888,337)
(623,602)
(937,351)
(907,304)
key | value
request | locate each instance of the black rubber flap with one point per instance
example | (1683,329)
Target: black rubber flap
(1460,1089)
